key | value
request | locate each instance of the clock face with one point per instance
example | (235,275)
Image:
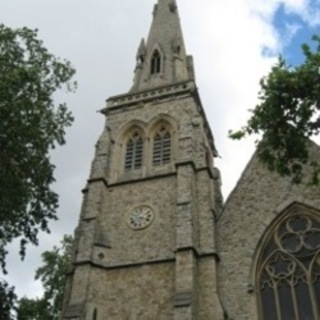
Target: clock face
(140,217)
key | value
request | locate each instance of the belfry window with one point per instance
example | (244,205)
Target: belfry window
(289,271)
(162,147)
(156,62)
(134,152)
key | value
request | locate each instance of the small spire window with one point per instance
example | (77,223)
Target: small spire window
(162,147)
(156,62)
(134,152)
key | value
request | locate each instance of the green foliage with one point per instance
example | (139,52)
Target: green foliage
(7,301)
(288,115)
(53,274)
(31,125)
(53,277)
(33,309)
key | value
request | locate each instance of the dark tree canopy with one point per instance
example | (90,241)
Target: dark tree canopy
(35,309)
(7,301)
(288,115)
(31,124)
(52,274)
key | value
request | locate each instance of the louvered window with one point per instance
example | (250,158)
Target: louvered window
(289,272)
(162,147)
(156,62)
(134,152)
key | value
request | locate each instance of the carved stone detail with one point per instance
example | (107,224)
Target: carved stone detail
(155,10)
(73,311)
(183,299)
(176,46)
(141,54)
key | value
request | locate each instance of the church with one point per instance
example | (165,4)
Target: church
(156,241)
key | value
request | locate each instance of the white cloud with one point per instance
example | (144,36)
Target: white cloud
(236,37)
(291,30)
(227,38)
(308,10)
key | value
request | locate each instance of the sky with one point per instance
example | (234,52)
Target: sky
(234,44)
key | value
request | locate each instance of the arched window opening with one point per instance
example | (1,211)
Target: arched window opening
(156,62)
(162,147)
(95,314)
(134,152)
(289,271)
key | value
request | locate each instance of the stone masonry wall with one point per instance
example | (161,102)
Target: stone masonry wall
(135,293)
(257,200)
(132,246)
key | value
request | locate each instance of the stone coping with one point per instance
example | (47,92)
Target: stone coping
(159,92)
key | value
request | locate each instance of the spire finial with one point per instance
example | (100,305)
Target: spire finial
(173,6)
(155,9)
(141,54)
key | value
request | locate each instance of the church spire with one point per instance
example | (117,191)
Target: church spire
(162,60)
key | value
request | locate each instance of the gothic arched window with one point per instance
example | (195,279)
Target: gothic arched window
(289,271)
(162,147)
(134,151)
(156,62)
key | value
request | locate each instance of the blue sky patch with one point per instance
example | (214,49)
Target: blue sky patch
(294,31)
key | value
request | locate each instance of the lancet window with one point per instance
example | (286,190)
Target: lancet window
(134,151)
(95,314)
(289,273)
(162,147)
(156,62)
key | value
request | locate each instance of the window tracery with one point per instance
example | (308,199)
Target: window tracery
(162,147)
(289,274)
(134,151)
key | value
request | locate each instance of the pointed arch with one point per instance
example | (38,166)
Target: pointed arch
(133,146)
(156,62)
(131,125)
(134,151)
(162,146)
(288,266)
(162,118)
(161,137)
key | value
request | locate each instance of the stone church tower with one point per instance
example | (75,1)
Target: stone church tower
(154,241)
(145,244)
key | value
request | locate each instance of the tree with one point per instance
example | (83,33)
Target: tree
(7,301)
(31,125)
(33,309)
(53,277)
(288,115)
